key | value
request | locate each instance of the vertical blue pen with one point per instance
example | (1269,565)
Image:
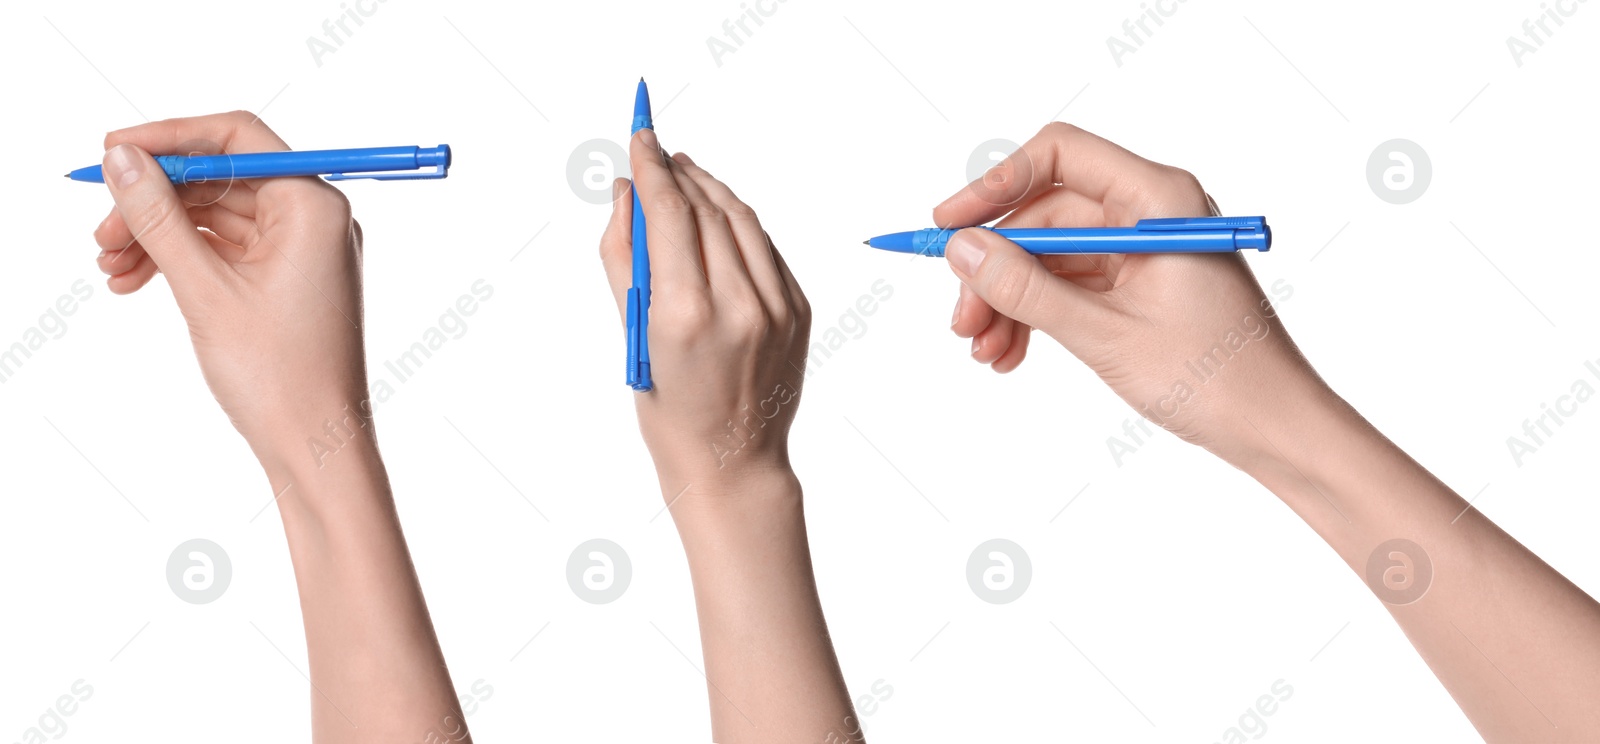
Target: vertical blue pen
(639,293)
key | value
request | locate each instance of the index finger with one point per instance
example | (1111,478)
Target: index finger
(1059,155)
(675,260)
(233,132)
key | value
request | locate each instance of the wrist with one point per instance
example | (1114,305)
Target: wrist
(722,499)
(345,483)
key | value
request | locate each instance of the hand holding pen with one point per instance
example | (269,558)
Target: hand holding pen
(727,338)
(1120,314)
(1194,345)
(267,275)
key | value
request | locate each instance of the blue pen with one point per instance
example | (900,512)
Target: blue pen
(377,163)
(639,293)
(1172,235)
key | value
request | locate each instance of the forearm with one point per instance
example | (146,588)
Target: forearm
(770,665)
(1513,641)
(376,668)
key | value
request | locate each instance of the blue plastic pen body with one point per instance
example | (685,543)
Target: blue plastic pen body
(335,164)
(1181,235)
(638,321)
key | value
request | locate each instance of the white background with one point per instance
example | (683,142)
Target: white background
(1179,590)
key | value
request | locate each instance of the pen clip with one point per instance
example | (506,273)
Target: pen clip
(1201,223)
(438,171)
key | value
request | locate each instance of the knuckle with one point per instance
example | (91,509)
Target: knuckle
(329,203)
(1184,179)
(707,213)
(1013,288)
(1058,129)
(161,219)
(687,317)
(738,211)
(670,205)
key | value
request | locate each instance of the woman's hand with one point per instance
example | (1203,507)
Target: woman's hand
(1189,341)
(267,274)
(728,325)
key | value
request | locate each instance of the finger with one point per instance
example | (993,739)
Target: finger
(112,234)
(747,233)
(796,296)
(972,313)
(674,243)
(616,250)
(118,261)
(1060,154)
(131,280)
(725,269)
(156,218)
(237,131)
(236,231)
(1017,285)
(991,343)
(1018,350)
(1057,207)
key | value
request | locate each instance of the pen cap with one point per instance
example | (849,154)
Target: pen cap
(433,156)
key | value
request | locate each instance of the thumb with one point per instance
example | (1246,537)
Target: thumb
(1019,286)
(157,218)
(616,243)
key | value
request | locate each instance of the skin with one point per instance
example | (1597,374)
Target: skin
(267,274)
(1515,643)
(728,331)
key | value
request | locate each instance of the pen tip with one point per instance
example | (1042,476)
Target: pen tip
(66,175)
(866,242)
(641,78)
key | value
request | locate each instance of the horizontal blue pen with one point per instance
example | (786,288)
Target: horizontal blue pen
(376,163)
(1170,235)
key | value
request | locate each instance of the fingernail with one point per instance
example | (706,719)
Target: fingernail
(686,158)
(975,347)
(121,167)
(965,252)
(648,138)
(955,316)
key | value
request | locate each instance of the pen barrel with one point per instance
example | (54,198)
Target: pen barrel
(201,168)
(1056,241)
